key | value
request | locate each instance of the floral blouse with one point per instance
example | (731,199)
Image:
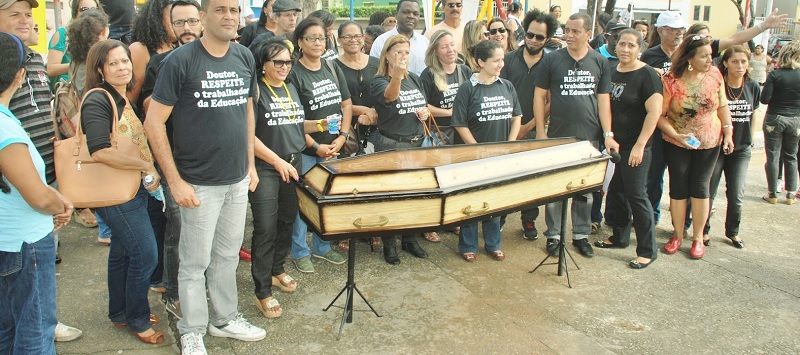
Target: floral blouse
(692,107)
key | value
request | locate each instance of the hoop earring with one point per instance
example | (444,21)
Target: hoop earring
(690,67)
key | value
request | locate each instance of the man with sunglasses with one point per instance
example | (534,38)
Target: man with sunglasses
(452,22)
(519,69)
(407,15)
(285,13)
(185,20)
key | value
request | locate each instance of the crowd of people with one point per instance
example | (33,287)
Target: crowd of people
(219,126)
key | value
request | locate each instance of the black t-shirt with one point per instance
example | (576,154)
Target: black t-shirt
(96,117)
(120,12)
(399,117)
(250,32)
(279,121)
(209,99)
(782,92)
(320,93)
(263,36)
(444,99)
(331,50)
(656,58)
(358,81)
(517,72)
(574,87)
(630,90)
(486,110)
(743,102)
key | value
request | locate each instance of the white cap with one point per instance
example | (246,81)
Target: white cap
(671,19)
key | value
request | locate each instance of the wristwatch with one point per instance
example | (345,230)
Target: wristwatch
(608,134)
(346,135)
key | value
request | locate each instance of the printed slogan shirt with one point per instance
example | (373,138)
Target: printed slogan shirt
(399,117)
(486,109)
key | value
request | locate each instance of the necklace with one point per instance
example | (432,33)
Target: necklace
(285,108)
(730,92)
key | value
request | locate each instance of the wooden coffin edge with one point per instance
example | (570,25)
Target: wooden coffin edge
(314,222)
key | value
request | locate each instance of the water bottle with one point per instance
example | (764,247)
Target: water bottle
(148,180)
(333,123)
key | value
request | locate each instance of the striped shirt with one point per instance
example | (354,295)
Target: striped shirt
(31,105)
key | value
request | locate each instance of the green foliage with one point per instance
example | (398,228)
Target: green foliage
(362,11)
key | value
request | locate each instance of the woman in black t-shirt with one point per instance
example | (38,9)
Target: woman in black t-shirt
(743,95)
(400,101)
(486,109)
(280,137)
(635,107)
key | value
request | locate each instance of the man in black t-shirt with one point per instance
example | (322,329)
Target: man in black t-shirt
(120,18)
(285,13)
(519,70)
(206,88)
(578,80)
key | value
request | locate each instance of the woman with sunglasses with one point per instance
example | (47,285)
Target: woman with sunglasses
(635,106)
(694,96)
(476,125)
(474,33)
(399,98)
(323,90)
(280,137)
(499,32)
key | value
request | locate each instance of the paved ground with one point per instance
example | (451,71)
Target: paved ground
(730,302)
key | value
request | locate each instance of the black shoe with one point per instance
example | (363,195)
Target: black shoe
(584,247)
(58,259)
(637,265)
(390,254)
(414,249)
(737,242)
(529,231)
(602,245)
(552,246)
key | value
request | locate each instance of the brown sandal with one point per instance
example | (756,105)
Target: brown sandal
(156,338)
(269,308)
(85,217)
(344,245)
(376,241)
(288,284)
(432,237)
(154,319)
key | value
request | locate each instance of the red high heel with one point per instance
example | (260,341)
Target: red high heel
(698,249)
(673,245)
(244,254)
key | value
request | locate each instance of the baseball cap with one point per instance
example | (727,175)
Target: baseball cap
(4,4)
(671,19)
(285,5)
(615,25)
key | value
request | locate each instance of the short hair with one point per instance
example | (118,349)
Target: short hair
(303,26)
(736,48)
(687,50)
(554,7)
(325,16)
(602,20)
(514,7)
(537,15)
(374,31)
(96,59)
(789,57)
(635,33)
(349,23)
(400,3)
(183,3)
(511,41)
(264,51)
(83,33)
(587,20)
(378,17)
(640,22)
(383,65)
(484,50)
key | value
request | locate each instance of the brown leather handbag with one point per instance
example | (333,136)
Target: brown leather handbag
(86,182)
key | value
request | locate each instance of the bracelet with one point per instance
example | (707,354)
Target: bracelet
(728,126)
(315,146)
(319,126)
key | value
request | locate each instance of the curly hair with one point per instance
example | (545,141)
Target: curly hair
(148,27)
(83,32)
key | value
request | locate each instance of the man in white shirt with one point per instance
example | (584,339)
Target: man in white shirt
(452,22)
(407,15)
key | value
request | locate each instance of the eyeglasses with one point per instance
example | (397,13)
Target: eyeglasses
(191,21)
(281,63)
(348,38)
(495,30)
(486,33)
(86,8)
(698,37)
(454,4)
(531,35)
(312,39)
(288,14)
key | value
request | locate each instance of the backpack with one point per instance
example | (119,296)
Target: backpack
(66,107)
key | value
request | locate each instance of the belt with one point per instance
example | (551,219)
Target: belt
(406,139)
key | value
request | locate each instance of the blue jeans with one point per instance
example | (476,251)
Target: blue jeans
(781,136)
(28,294)
(655,176)
(735,168)
(121,33)
(211,236)
(103,230)
(300,228)
(581,218)
(468,238)
(172,237)
(131,260)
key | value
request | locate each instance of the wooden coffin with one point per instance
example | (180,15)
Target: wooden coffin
(419,189)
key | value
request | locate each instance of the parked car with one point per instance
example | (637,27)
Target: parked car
(776,42)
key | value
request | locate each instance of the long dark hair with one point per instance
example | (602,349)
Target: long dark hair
(83,32)
(302,27)
(148,27)
(96,59)
(736,48)
(266,50)
(687,49)
(262,20)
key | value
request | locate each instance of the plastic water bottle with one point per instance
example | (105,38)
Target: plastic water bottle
(149,180)
(333,123)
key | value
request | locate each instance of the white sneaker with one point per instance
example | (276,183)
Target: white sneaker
(238,328)
(67,333)
(192,344)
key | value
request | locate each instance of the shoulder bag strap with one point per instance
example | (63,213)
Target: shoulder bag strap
(114,121)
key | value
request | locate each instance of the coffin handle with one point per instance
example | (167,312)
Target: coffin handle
(382,221)
(469,211)
(582,184)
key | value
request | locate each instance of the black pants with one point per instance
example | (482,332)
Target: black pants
(627,197)
(690,171)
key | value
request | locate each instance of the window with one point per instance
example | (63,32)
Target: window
(697,13)
(707,13)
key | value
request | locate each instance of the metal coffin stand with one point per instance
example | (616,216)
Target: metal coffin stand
(422,189)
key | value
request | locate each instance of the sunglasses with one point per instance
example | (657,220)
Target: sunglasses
(281,63)
(495,30)
(85,8)
(454,4)
(698,37)
(531,35)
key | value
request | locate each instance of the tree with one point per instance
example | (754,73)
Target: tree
(742,18)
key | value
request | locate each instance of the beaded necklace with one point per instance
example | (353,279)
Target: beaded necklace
(278,99)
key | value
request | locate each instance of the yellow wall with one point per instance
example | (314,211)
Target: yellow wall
(724,16)
(40,18)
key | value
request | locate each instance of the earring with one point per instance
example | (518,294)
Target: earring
(690,67)
(263,72)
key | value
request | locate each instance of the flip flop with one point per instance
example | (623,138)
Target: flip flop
(432,237)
